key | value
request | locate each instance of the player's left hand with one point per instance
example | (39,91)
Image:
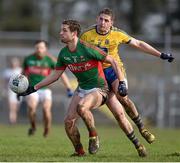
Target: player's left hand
(70,93)
(122,89)
(167,56)
(27,92)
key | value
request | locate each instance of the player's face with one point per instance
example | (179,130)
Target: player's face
(40,49)
(65,34)
(104,23)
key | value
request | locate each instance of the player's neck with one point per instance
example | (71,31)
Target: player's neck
(101,32)
(73,44)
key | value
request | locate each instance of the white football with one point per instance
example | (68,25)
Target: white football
(18,83)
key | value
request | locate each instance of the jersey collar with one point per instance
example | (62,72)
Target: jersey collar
(101,33)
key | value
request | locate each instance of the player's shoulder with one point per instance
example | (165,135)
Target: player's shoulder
(90,47)
(51,56)
(63,50)
(85,44)
(89,29)
(118,30)
(29,57)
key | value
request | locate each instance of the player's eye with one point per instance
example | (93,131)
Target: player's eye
(101,19)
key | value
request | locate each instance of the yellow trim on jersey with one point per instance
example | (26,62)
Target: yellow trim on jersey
(109,42)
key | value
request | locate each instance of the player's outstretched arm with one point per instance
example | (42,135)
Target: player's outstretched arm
(143,46)
(45,82)
(55,75)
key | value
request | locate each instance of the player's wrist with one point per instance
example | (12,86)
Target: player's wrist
(35,87)
(162,55)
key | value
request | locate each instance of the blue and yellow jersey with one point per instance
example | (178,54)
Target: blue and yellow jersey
(109,42)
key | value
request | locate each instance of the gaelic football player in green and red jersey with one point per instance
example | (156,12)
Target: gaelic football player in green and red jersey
(36,67)
(84,61)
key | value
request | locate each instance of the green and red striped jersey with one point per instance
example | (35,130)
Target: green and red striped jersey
(85,64)
(36,69)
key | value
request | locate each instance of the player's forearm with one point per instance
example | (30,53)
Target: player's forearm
(65,80)
(149,49)
(115,66)
(117,70)
(47,81)
(143,46)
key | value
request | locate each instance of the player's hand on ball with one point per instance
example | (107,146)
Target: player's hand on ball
(167,56)
(122,89)
(28,91)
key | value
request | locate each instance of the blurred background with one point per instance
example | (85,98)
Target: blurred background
(154,85)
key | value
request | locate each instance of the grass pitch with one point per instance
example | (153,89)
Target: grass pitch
(15,145)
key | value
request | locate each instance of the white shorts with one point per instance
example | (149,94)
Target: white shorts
(41,95)
(82,92)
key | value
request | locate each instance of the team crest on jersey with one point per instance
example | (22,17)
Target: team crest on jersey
(75,59)
(38,63)
(82,59)
(91,41)
(32,62)
(106,41)
(99,42)
(67,58)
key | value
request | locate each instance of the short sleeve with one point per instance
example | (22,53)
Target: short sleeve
(60,64)
(124,37)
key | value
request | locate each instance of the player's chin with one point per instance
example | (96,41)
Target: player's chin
(103,29)
(63,40)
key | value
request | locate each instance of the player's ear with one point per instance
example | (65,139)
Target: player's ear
(112,22)
(97,19)
(75,33)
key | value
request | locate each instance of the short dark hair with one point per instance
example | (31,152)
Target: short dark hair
(107,11)
(44,41)
(74,25)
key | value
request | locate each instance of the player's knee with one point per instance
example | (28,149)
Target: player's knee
(47,111)
(32,110)
(80,109)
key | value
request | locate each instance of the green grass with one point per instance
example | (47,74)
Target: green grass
(15,145)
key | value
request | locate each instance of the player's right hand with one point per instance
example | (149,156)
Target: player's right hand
(122,89)
(27,92)
(167,56)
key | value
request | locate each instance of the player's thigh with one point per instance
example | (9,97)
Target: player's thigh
(115,85)
(32,100)
(92,100)
(114,105)
(46,98)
